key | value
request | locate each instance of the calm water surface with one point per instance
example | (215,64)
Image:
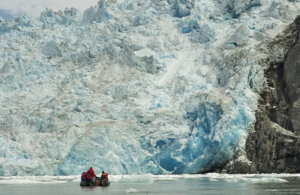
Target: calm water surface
(211,184)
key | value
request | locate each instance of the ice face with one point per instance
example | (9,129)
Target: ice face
(133,87)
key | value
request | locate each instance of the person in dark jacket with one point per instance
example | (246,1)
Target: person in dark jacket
(104,176)
(84,176)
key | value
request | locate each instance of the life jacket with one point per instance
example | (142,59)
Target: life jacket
(84,176)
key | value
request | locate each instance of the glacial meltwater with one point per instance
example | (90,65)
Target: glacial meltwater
(212,184)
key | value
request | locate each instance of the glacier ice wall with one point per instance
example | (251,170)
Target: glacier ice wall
(133,86)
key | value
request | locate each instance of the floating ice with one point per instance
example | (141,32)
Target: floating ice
(148,178)
(131,190)
(17,180)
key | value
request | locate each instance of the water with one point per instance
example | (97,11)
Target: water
(210,184)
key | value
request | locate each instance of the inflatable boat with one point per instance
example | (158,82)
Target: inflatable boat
(96,183)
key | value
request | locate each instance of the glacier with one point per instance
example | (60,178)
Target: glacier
(132,86)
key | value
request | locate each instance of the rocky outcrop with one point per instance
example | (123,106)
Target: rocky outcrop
(274,145)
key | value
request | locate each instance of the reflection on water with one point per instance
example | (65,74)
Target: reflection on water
(210,184)
(291,186)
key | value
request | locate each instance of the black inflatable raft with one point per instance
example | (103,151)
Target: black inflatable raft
(96,183)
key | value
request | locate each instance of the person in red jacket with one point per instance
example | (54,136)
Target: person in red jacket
(91,176)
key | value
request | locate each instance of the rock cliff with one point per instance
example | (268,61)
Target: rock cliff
(274,145)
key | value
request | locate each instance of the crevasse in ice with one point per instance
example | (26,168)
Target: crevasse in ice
(133,86)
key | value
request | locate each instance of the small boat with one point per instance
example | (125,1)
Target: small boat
(98,182)
(104,183)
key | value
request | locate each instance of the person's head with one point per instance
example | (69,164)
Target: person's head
(103,172)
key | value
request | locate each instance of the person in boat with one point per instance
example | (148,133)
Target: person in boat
(91,176)
(104,176)
(103,180)
(84,176)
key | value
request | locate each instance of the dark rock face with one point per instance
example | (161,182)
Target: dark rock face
(274,145)
(292,80)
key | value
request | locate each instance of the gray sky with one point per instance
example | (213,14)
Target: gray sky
(14,8)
